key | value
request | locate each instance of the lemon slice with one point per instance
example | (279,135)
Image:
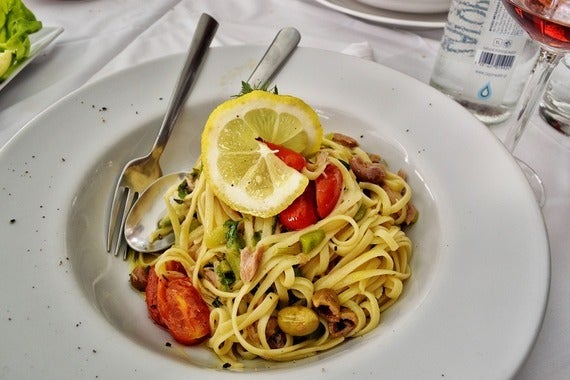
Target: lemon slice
(242,170)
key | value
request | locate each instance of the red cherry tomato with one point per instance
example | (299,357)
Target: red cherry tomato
(328,188)
(290,157)
(175,266)
(302,212)
(151,292)
(183,310)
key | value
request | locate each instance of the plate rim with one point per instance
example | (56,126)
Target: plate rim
(387,17)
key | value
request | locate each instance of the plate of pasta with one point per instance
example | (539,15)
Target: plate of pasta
(438,269)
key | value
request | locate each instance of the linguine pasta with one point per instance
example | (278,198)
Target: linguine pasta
(362,258)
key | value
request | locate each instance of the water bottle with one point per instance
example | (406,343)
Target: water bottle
(484,59)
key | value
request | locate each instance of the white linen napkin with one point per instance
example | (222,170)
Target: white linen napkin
(360,49)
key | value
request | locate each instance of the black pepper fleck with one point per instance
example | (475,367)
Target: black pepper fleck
(12,221)
(168,344)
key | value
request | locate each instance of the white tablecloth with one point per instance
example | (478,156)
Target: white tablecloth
(103,36)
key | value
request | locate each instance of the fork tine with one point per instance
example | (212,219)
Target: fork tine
(125,251)
(116,207)
(131,197)
(121,248)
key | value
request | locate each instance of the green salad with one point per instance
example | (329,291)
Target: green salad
(17,22)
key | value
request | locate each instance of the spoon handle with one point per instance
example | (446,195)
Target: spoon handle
(203,36)
(282,46)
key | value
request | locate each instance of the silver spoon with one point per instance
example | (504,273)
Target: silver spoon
(149,207)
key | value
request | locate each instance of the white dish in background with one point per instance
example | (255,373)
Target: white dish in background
(387,17)
(480,267)
(38,41)
(410,6)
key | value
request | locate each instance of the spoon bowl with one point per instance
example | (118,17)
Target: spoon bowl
(148,210)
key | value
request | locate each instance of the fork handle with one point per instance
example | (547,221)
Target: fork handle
(201,41)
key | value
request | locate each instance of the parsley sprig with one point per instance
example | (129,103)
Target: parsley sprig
(246,88)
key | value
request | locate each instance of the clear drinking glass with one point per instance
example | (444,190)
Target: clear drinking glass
(548,23)
(555,104)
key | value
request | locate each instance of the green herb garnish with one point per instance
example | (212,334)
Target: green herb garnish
(183,189)
(246,88)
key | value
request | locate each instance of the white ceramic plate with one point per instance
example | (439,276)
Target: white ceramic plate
(387,17)
(471,309)
(38,41)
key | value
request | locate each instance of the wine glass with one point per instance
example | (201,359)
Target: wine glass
(548,23)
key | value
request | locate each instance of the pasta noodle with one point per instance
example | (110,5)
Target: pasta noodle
(364,258)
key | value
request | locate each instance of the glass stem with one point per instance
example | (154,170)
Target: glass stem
(533,92)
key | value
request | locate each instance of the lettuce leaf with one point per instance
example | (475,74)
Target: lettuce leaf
(17,22)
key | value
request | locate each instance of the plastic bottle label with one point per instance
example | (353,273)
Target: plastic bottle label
(496,54)
(483,41)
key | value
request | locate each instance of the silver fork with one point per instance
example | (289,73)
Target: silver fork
(141,172)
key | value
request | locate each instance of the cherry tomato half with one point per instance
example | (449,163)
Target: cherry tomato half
(175,266)
(183,310)
(302,212)
(290,157)
(151,292)
(328,188)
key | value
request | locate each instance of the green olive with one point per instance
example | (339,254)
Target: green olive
(297,320)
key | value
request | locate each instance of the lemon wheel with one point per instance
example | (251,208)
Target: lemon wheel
(242,170)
